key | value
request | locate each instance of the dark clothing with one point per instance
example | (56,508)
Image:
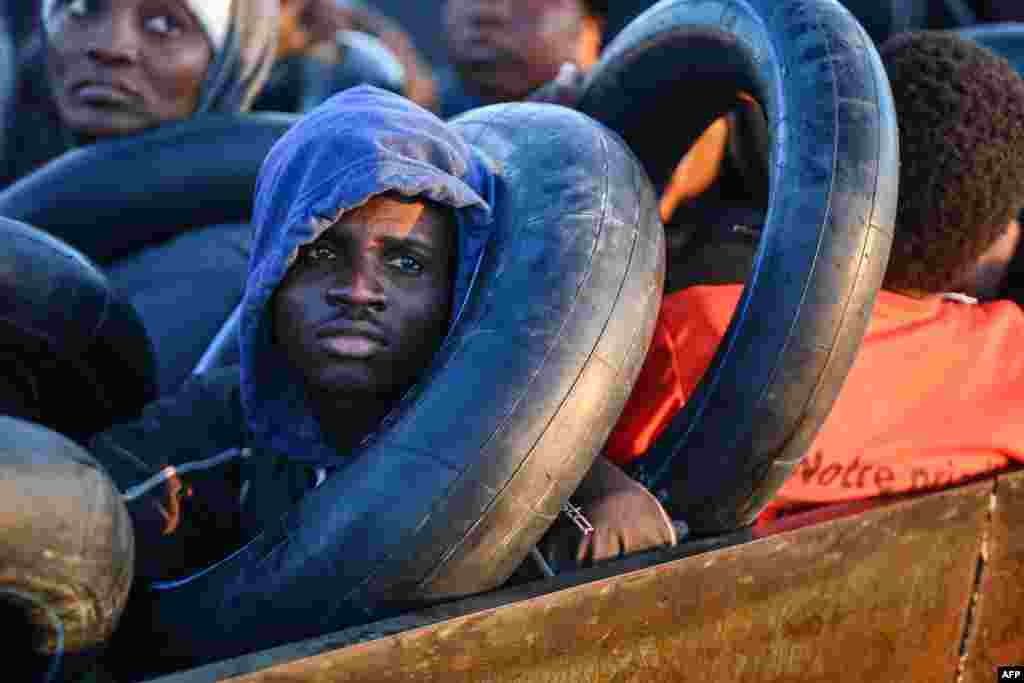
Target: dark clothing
(452,97)
(196,518)
(999,10)
(183,290)
(283,90)
(33,132)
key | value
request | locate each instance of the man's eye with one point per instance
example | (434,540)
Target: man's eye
(406,264)
(163,24)
(318,253)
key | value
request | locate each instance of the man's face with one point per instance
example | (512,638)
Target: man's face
(504,49)
(120,66)
(365,307)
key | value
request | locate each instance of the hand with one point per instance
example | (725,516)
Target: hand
(565,90)
(626,518)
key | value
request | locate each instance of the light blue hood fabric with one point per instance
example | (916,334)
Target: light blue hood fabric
(358,144)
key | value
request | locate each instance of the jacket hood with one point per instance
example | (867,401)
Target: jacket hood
(356,145)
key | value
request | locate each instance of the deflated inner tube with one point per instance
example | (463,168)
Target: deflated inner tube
(66,553)
(114,198)
(510,415)
(824,247)
(81,352)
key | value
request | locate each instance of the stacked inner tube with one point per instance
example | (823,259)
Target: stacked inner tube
(114,198)
(77,352)
(824,247)
(66,554)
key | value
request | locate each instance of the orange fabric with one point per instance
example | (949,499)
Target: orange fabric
(936,395)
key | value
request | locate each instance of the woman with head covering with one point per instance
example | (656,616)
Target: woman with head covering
(107,68)
(103,69)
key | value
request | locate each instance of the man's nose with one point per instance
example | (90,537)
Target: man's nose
(115,39)
(359,286)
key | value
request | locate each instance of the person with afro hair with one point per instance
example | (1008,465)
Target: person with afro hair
(961,114)
(935,394)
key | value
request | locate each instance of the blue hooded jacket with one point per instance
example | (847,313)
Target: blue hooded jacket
(358,144)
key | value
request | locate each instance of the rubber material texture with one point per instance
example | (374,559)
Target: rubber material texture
(76,567)
(880,18)
(478,459)
(114,198)
(825,243)
(85,351)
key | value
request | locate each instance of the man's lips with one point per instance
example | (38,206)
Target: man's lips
(350,340)
(104,93)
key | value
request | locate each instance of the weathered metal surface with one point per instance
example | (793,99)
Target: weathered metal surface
(996,636)
(877,596)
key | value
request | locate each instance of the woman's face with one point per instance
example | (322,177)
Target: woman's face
(120,66)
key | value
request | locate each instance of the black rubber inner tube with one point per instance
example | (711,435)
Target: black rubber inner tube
(825,244)
(478,459)
(114,198)
(76,346)
(66,553)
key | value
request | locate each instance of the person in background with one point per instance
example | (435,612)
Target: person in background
(352,288)
(309,27)
(934,395)
(502,51)
(101,69)
(104,70)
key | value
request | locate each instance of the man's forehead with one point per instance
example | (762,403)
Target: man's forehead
(393,216)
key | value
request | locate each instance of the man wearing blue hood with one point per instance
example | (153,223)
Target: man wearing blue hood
(370,219)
